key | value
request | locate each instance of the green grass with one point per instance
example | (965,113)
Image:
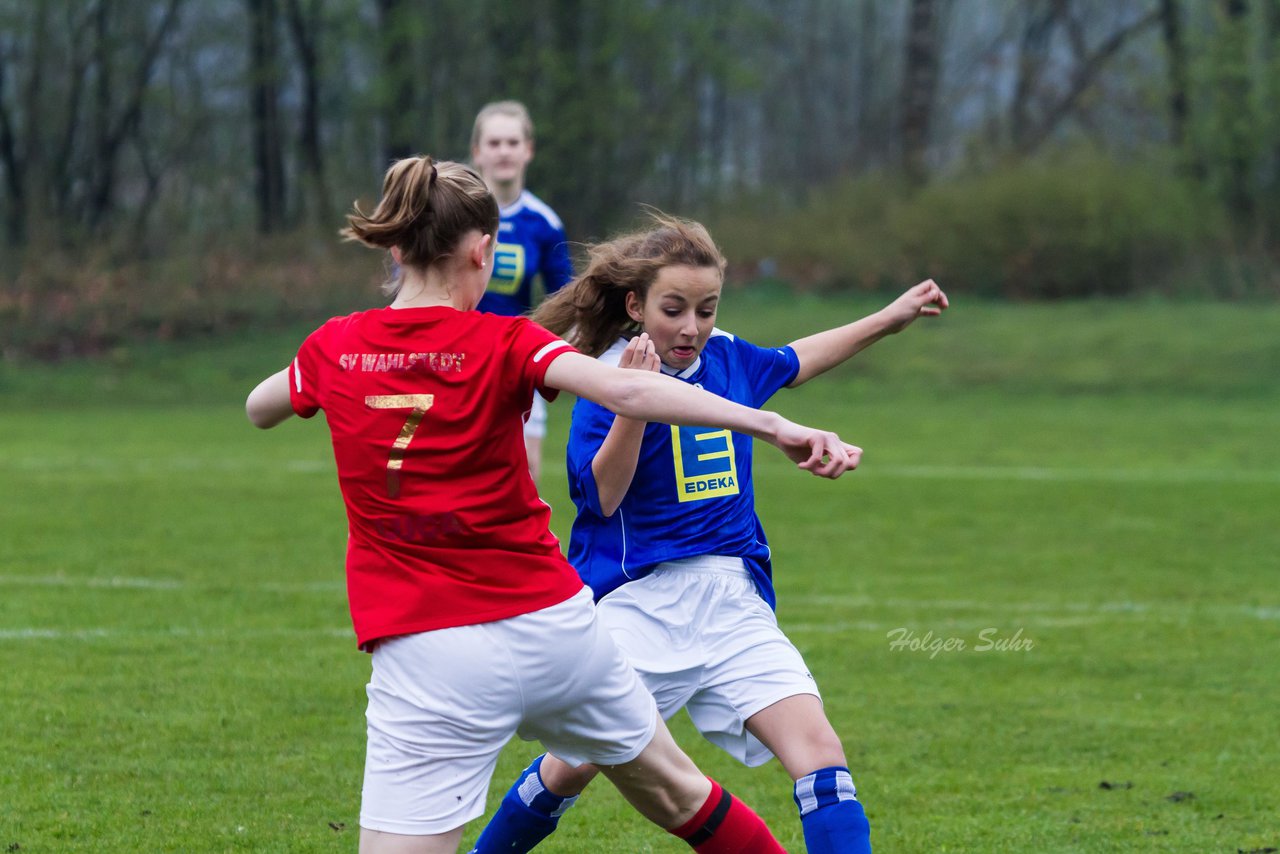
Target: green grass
(1099,479)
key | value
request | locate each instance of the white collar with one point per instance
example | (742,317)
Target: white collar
(686,373)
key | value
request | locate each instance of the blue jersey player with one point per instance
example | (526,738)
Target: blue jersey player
(531,250)
(668,538)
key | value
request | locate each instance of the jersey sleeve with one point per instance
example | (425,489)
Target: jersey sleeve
(770,368)
(304,376)
(587,431)
(532,350)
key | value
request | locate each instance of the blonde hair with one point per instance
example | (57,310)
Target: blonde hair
(425,209)
(514,109)
(592,309)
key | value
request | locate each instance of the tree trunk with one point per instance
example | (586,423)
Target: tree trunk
(15,211)
(398,106)
(264,88)
(1236,116)
(304,24)
(62,179)
(1176,54)
(112,129)
(102,164)
(1033,50)
(1272,190)
(919,85)
(30,156)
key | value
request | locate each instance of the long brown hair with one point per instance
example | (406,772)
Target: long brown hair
(591,311)
(426,208)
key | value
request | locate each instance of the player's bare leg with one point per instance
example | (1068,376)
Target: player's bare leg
(669,790)
(662,783)
(565,780)
(664,786)
(797,731)
(381,842)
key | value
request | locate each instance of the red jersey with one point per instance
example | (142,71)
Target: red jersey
(426,409)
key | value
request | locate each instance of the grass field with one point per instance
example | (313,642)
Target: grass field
(1085,496)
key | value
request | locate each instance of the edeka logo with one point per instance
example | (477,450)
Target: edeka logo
(508,268)
(705,465)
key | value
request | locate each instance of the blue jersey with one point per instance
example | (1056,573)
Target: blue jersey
(531,242)
(692,491)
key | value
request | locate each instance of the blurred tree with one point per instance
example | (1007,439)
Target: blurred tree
(119,116)
(1234,141)
(1039,19)
(396,31)
(79,25)
(264,96)
(1086,64)
(919,86)
(305,25)
(18,150)
(1271,129)
(119,119)
(1176,53)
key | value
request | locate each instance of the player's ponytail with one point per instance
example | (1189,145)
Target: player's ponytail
(425,209)
(591,311)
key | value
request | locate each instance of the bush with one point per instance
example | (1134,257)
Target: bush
(1078,225)
(63,304)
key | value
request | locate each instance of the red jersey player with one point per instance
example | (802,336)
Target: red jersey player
(478,627)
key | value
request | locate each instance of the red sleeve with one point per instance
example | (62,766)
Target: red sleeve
(304,376)
(534,349)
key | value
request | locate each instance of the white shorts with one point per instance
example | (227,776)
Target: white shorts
(535,426)
(443,703)
(702,638)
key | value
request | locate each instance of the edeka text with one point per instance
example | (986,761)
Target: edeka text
(707,484)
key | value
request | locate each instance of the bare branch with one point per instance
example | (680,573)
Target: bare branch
(12,162)
(1083,78)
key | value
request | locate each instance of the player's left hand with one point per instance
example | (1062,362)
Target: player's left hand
(924,300)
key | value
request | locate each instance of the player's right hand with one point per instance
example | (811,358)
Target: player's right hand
(640,354)
(820,452)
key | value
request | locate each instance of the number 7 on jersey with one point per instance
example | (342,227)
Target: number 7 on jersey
(419,403)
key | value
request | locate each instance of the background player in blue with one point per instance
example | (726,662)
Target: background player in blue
(531,248)
(667,536)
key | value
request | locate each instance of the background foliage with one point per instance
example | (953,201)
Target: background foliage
(168,166)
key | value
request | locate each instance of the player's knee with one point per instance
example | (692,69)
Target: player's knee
(823,748)
(827,742)
(563,779)
(806,749)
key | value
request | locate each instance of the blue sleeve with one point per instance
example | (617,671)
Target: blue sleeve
(770,368)
(557,268)
(587,431)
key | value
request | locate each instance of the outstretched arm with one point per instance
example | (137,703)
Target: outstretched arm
(268,404)
(614,464)
(653,397)
(821,352)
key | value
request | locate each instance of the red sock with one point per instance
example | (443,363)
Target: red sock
(725,825)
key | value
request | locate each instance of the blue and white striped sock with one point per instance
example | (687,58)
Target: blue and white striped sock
(529,813)
(830,814)
(538,797)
